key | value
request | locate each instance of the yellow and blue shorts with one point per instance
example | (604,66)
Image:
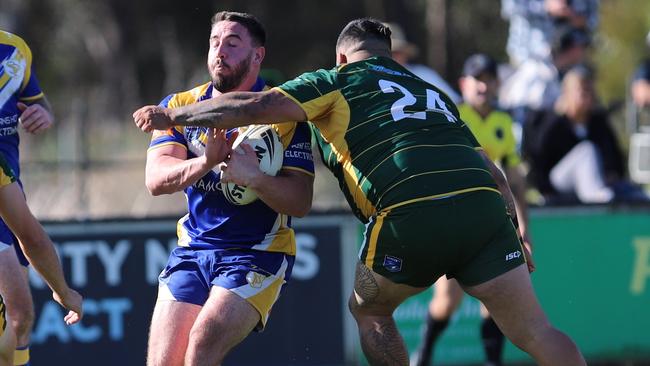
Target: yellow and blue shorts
(256,276)
(468,236)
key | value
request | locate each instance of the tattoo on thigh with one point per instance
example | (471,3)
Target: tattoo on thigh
(365,284)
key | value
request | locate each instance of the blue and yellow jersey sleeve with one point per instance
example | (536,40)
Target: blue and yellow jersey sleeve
(296,141)
(17,62)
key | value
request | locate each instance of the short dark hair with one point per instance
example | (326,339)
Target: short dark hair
(567,37)
(480,63)
(365,29)
(249,21)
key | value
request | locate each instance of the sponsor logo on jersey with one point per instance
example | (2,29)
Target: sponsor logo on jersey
(513,255)
(392,264)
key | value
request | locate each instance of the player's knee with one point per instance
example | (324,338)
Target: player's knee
(204,341)
(22,320)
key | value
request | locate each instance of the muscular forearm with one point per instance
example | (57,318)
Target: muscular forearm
(40,252)
(226,111)
(167,174)
(35,243)
(284,194)
(238,109)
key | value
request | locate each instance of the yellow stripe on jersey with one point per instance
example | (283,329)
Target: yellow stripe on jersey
(283,240)
(188,97)
(334,134)
(31,99)
(436,196)
(24,51)
(374,234)
(167,144)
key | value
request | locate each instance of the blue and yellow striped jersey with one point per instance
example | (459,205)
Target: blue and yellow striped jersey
(17,83)
(388,136)
(213,222)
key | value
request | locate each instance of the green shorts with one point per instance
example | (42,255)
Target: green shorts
(468,237)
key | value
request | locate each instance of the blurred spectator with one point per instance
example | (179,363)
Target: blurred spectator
(405,51)
(535,85)
(574,152)
(533,24)
(640,93)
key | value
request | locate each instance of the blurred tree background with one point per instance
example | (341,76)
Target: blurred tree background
(99,60)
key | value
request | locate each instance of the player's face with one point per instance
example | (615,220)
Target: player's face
(231,55)
(480,90)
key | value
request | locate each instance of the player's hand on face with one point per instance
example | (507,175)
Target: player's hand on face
(153,117)
(217,146)
(72,301)
(243,168)
(35,118)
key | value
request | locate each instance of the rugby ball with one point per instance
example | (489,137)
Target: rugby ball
(268,147)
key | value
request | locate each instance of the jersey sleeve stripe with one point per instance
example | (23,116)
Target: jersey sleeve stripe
(168,143)
(33,98)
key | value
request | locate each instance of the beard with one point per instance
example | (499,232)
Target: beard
(226,83)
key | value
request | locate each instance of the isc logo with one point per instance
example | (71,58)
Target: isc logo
(513,255)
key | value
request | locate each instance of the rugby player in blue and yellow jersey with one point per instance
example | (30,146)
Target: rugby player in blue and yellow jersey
(39,249)
(232,260)
(432,201)
(21,103)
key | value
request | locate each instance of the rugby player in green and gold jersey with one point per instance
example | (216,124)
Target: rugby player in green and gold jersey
(432,201)
(493,129)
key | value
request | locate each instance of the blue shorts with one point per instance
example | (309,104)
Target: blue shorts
(7,238)
(256,276)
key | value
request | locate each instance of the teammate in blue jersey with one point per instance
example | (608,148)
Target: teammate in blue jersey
(22,103)
(232,261)
(39,249)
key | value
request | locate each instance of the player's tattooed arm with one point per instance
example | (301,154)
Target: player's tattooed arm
(240,109)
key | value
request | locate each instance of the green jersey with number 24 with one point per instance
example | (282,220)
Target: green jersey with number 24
(389,137)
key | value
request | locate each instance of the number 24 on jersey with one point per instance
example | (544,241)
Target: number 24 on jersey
(434,102)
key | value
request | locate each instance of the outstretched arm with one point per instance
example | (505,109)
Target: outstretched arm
(38,249)
(227,110)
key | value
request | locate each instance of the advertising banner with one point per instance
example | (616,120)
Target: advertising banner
(115,265)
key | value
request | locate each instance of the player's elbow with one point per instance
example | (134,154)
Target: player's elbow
(302,210)
(154,187)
